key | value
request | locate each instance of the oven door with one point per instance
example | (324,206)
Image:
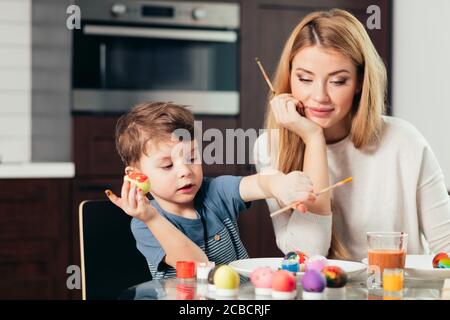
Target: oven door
(116,66)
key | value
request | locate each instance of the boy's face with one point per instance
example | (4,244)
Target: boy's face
(174,170)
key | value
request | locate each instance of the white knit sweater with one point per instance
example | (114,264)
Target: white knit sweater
(397,186)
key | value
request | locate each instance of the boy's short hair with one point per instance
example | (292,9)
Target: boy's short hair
(149,121)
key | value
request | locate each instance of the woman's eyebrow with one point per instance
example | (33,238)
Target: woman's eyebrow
(163,158)
(330,74)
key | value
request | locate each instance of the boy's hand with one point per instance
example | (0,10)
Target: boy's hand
(293,188)
(133,202)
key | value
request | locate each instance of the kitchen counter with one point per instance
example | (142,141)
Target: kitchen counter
(37,170)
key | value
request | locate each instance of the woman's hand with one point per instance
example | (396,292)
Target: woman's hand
(133,202)
(287,112)
(293,188)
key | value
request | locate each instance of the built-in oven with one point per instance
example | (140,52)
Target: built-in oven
(131,51)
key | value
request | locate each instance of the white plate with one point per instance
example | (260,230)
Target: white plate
(421,266)
(246,266)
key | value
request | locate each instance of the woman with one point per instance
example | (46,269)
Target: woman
(331,87)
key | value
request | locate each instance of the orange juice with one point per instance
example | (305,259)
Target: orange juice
(393,279)
(387,258)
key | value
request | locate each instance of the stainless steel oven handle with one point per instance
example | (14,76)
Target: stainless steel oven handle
(162,33)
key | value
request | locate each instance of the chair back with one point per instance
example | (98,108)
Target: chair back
(110,261)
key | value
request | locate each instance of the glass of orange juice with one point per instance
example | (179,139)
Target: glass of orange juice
(386,250)
(392,284)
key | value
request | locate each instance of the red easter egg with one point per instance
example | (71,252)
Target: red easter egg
(284,281)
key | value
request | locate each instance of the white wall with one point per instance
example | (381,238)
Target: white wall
(421,71)
(15,80)
(51,131)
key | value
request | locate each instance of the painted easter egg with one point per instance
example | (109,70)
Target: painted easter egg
(290,265)
(437,258)
(283,281)
(140,180)
(316,263)
(211,275)
(262,277)
(313,281)
(298,256)
(335,276)
(226,277)
(444,263)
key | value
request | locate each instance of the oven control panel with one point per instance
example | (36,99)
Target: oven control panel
(175,13)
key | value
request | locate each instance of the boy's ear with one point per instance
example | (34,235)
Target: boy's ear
(129,169)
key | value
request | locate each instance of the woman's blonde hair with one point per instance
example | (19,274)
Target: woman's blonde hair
(340,31)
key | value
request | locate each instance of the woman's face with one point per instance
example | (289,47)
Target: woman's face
(325,82)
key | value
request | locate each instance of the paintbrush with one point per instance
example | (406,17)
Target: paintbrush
(295,204)
(265,75)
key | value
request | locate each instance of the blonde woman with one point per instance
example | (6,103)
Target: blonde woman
(331,86)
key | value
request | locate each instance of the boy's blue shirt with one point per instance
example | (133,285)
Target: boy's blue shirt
(219,201)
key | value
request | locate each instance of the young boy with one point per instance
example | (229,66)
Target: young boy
(191,217)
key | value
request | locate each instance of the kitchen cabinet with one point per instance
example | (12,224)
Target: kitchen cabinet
(94,147)
(34,238)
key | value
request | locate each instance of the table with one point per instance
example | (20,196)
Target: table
(192,289)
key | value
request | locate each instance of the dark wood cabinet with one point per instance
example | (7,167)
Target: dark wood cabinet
(34,238)
(94,148)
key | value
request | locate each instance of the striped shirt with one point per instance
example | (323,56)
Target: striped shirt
(220,203)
